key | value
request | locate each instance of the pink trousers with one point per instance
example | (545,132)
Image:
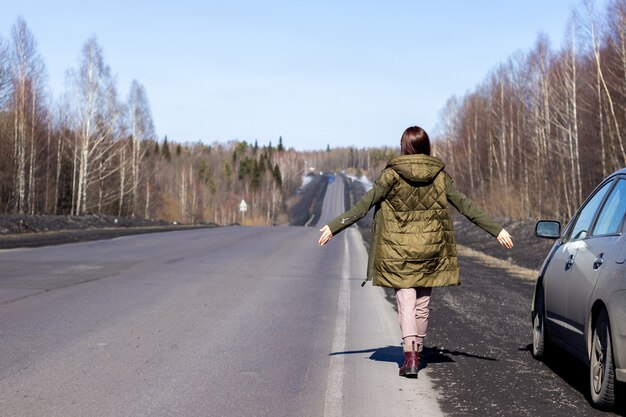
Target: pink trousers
(413,314)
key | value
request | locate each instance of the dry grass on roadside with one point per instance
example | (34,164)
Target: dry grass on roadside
(515,270)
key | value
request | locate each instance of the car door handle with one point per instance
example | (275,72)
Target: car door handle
(597,263)
(569,263)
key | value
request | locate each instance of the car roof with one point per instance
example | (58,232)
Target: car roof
(608,177)
(619,171)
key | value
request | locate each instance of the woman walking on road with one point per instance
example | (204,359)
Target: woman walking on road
(413,247)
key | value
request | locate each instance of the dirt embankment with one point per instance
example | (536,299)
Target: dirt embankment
(528,251)
(33,231)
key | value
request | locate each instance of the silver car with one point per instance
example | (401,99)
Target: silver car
(580,296)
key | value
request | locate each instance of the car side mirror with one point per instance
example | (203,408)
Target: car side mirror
(549,229)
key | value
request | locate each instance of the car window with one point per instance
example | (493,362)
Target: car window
(583,222)
(612,214)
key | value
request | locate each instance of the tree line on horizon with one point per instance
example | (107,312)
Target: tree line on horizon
(530,141)
(92,152)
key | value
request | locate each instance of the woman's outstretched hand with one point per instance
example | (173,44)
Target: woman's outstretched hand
(326,235)
(505,239)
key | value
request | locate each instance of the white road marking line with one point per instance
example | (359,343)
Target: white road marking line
(334,384)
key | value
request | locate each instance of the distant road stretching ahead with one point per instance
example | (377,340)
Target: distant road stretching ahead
(240,321)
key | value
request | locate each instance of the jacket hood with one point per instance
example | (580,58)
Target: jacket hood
(416,168)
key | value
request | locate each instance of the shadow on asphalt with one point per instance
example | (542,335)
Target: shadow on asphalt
(576,375)
(382,354)
(440,355)
(429,355)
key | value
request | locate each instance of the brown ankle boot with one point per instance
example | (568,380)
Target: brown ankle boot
(411,363)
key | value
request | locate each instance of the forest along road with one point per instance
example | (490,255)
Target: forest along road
(256,321)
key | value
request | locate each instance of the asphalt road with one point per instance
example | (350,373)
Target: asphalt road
(247,321)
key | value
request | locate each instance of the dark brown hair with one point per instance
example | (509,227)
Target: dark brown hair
(415,141)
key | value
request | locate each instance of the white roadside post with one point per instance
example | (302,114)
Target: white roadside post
(243,207)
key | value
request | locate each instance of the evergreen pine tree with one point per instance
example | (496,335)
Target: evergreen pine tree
(261,164)
(256,175)
(244,168)
(277,175)
(165,150)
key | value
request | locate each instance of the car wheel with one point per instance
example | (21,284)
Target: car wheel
(539,328)
(601,369)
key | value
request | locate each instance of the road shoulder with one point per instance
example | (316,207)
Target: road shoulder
(373,353)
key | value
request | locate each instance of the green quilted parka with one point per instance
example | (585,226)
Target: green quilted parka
(412,235)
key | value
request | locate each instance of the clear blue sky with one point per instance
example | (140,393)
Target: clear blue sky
(314,72)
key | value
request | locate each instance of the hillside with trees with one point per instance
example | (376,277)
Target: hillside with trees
(544,127)
(530,141)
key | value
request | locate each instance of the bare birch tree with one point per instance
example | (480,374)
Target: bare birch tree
(96,122)
(7,172)
(595,39)
(27,72)
(5,73)
(141,129)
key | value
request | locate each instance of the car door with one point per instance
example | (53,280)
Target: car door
(589,260)
(559,274)
(555,284)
